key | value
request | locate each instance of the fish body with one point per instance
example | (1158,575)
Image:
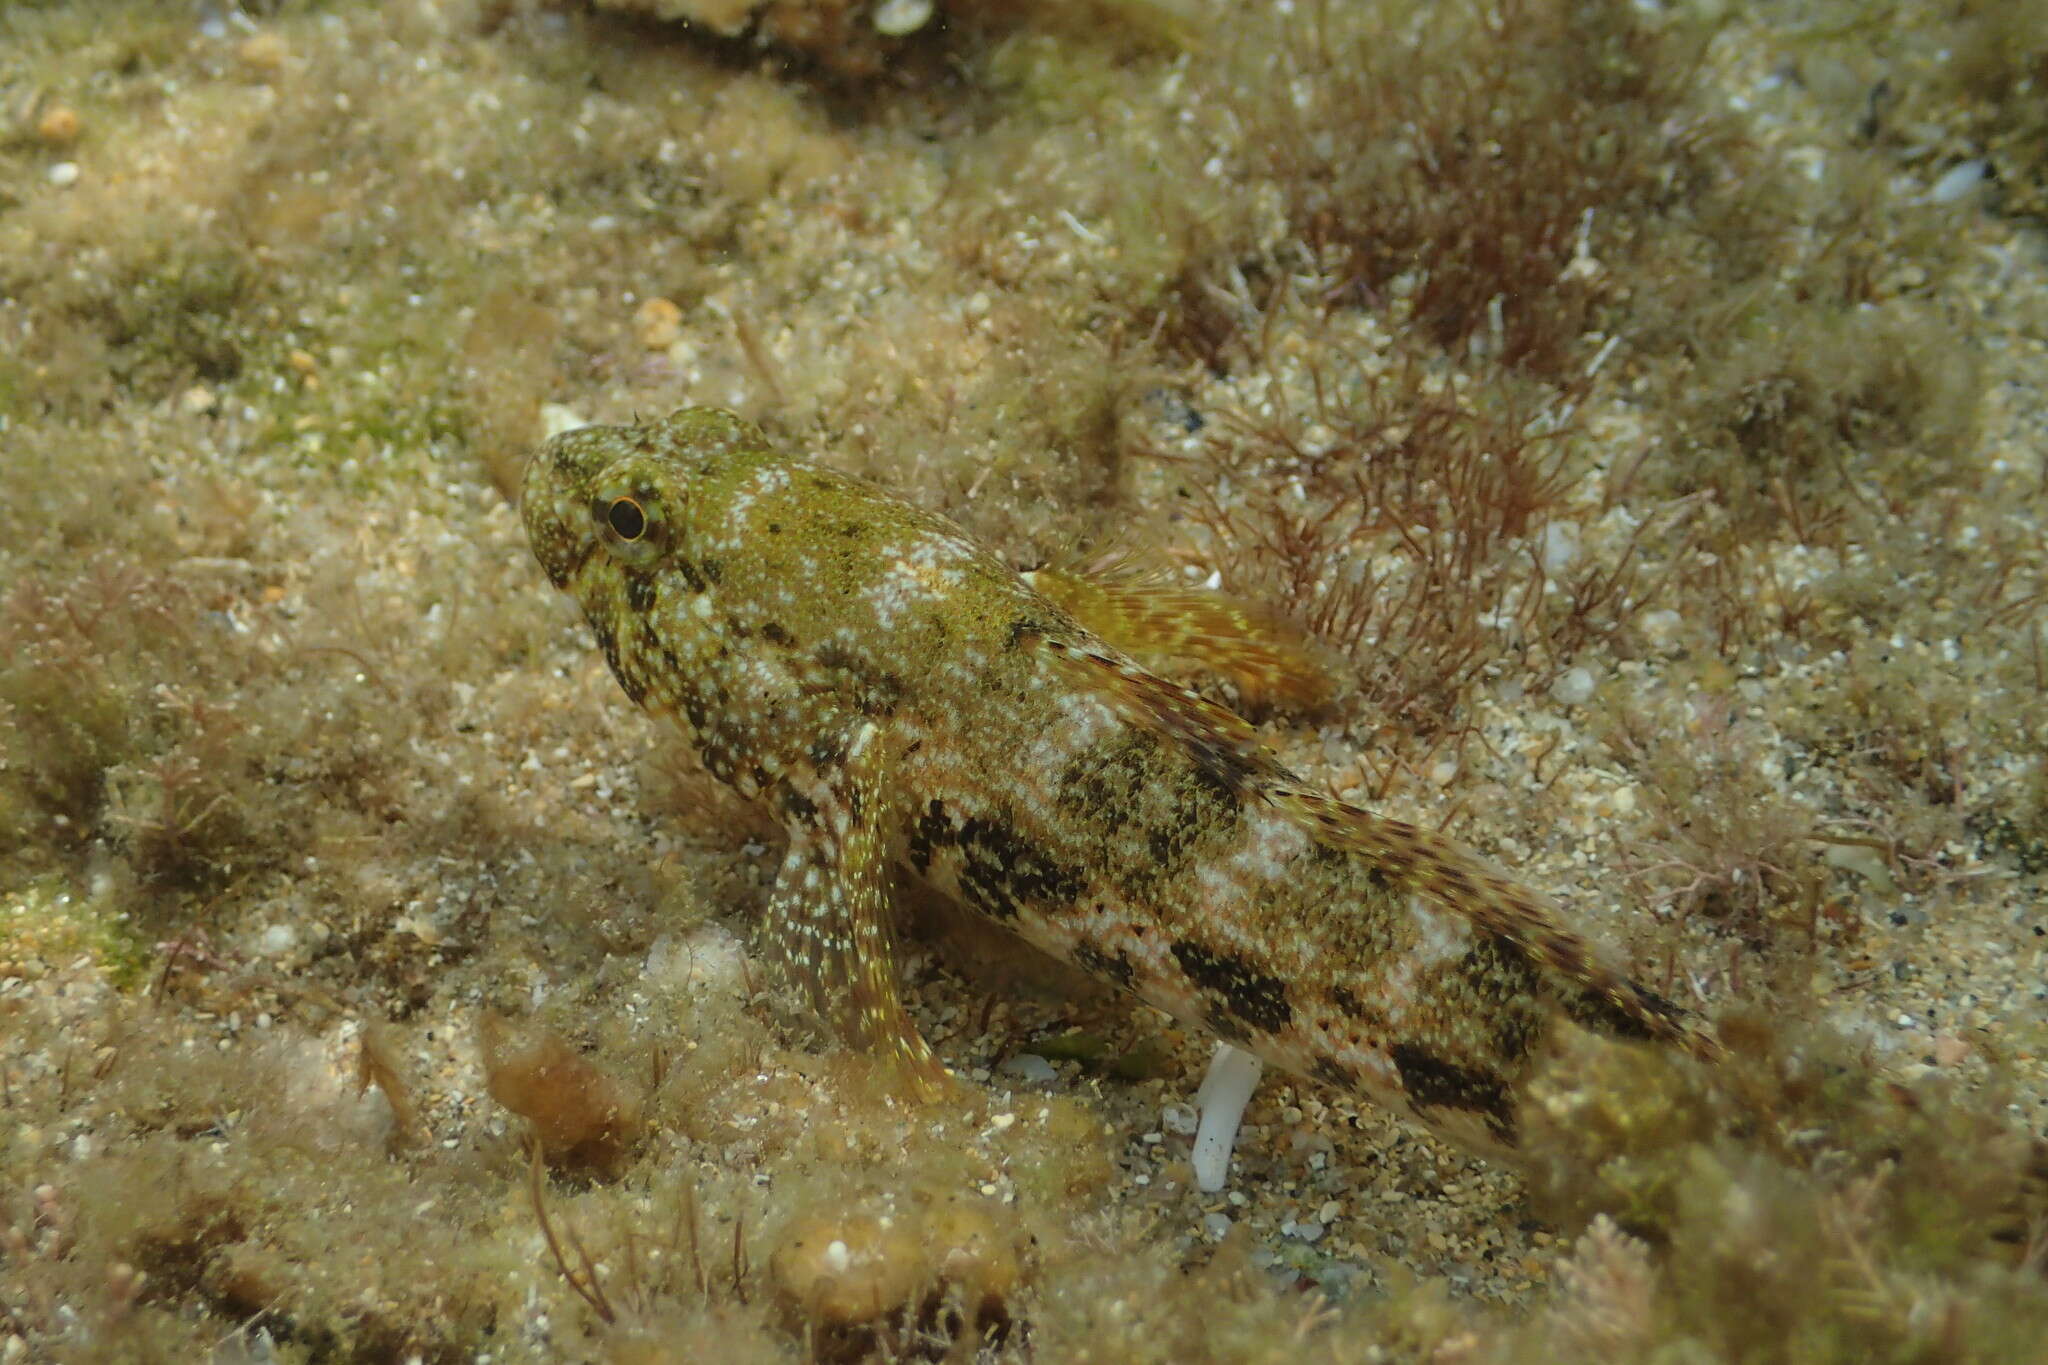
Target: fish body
(900,697)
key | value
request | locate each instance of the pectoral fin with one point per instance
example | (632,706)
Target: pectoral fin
(828,922)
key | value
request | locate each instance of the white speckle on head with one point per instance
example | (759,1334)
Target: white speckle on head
(768,479)
(894,594)
(934,551)
(700,606)
(915,576)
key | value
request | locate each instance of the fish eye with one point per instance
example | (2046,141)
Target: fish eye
(627,519)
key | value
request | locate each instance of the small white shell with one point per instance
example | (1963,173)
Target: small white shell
(1960,179)
(1226,1090)
(899,18)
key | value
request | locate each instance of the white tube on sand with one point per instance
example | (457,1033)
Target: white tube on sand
(1226,1090)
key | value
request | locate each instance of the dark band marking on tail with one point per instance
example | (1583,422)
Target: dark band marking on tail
(1435,1081)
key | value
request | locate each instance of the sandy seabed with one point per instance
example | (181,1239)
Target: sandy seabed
(1641,406)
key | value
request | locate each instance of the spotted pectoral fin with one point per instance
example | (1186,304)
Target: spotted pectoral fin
(1271,662)
(1450,879)
(828,923)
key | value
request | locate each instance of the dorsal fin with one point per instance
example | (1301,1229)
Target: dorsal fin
(1145,614)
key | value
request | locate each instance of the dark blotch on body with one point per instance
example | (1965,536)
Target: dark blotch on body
(1502,975)
(1098,783)
(1433,1080)
(1601,1012)
(931,830)
(1113,967)
(1249,994)
(875,692)
(1000,871)
(1122,781)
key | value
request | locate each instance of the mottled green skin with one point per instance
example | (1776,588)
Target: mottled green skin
(900,696)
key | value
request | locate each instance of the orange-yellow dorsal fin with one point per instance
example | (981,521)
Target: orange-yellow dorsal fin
(1155,620)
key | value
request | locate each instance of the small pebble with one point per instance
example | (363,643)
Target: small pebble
(556,418)
(263,53)
(59,125)
(1178,1118)
(1660,629)
(1960,180)
(658,323)
(63,175)
(1949,1050)
(1574,687)
(1866,863)
(1216,1225)
(1337,1278)
(1560,547)
(1030,1068)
